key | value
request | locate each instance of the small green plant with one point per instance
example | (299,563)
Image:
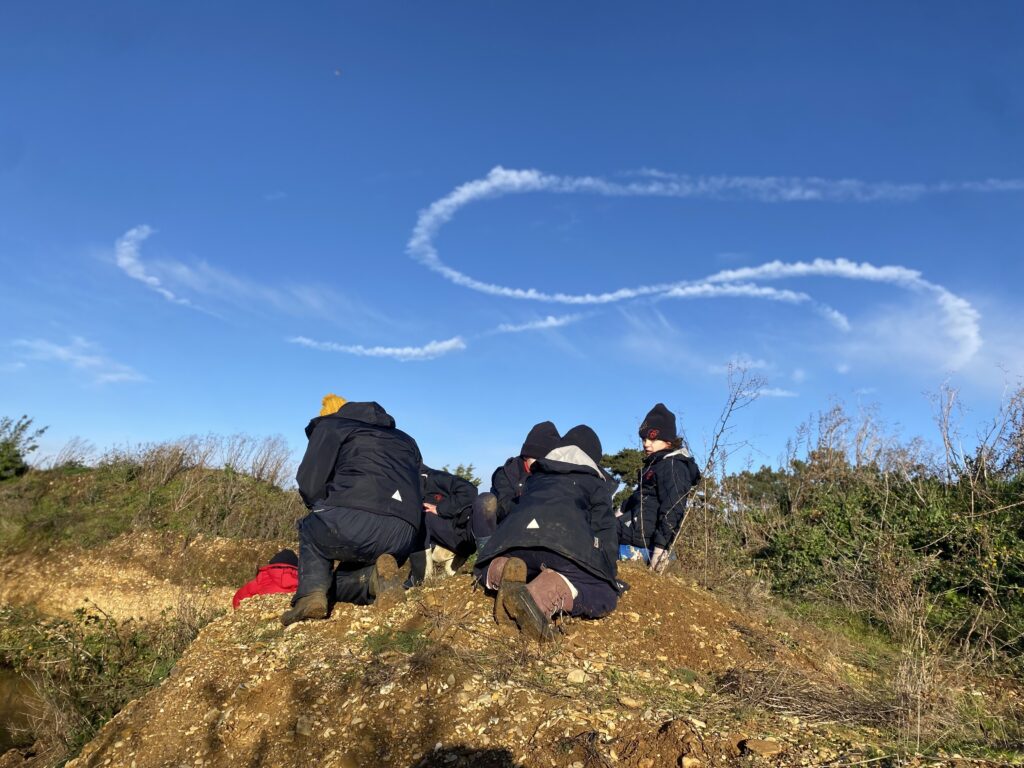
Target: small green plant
(17,441)
(400,640)
(85,669)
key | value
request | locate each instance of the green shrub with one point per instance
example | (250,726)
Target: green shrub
(17,441)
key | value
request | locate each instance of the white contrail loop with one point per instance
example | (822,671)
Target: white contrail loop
(961,320)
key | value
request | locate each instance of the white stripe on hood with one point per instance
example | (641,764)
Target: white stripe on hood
(572,454)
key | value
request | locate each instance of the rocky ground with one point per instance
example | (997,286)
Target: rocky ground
(141,576)
(673,678)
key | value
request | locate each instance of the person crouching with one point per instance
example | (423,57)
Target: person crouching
(556,552)
(359,478)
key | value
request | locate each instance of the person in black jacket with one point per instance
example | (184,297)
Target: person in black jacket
(360,481)
(556,552)
(508,481)
(651,516)
(447,506)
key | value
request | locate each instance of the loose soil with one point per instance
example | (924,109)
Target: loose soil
(674,677)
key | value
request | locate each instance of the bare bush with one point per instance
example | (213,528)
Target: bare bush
(271,461)
(708,557)
(76,452)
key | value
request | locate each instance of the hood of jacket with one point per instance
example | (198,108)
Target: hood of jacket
(570,454)
(368,413)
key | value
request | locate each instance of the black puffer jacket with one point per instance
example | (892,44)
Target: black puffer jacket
(566,508)
(653,514)
(357,459)
(507,484)
(452,495)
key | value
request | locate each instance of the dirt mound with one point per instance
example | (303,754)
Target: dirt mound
(135,576)
(434,682)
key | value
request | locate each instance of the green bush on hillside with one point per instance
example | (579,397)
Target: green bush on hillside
(17,441)
(175,487)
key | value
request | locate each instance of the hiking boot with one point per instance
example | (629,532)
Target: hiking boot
(311,606)
(551,593)
(386,581)
(507,574)
(522,608)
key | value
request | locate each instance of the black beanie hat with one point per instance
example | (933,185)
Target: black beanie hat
(543,439)
(659,424)
(285,557)
(584,438)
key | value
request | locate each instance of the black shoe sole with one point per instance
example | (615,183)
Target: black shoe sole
(528,617)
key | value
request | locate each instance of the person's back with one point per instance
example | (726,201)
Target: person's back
(556,551)
(360,480)
(509,481)
(357,459)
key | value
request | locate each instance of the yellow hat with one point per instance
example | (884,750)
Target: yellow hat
(331,404)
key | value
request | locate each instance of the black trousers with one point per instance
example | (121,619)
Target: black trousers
(355,538)
(595,598)
(444,531)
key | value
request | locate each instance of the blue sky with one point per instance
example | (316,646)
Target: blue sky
(483,215)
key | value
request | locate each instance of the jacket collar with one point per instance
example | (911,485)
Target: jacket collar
(665,454)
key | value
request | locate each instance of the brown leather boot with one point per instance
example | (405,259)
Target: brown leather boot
(551,593)
(311,606)
(528,617)
(532,605)
(386,581)
(508,571)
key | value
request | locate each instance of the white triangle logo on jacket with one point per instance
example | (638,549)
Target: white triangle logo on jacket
(533,524)
(397,496)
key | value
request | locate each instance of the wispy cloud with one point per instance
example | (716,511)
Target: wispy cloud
(126,252)
(744,361)
(14,367)
(81,355)
(776,392)
(404,354)
(551,321)
(205,280)
(961,320)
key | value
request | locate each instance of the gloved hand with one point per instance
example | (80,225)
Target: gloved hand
(659,559)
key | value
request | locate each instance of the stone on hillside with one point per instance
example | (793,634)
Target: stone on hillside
(629,703)
(689,762)
(577,677)
(761,747)
(303,726)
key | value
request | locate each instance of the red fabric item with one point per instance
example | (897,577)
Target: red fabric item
(270,580)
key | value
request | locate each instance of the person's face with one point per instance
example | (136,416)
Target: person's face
(653,446)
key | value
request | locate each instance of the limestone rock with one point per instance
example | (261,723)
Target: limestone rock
(761,747)
(577,677)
